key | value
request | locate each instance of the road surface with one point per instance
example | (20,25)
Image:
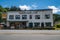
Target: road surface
(29,37)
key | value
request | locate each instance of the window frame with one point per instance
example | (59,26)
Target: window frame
(24,16)
(30,16)
(47,16)
(48,23)
(11,16)
(37,16)
(36,24)
(17,16)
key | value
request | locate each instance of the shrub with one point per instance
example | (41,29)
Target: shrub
(58,26)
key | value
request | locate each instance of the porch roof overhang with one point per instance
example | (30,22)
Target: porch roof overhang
(18,21)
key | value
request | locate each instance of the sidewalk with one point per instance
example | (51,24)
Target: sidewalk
(30,32)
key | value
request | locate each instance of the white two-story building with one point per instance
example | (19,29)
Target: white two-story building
(30,18)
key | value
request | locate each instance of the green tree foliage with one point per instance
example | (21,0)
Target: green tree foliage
(14,8)
(7,8)
(2,9)
(0,17)
(56,17)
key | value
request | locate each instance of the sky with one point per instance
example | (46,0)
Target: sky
(33,4)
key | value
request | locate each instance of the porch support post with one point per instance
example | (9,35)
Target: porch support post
(33,24)
(27,24)
(40,24)
(8,24)
(44,25)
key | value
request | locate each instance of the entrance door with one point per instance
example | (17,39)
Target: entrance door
(30,25)
(24,23)
(42,25)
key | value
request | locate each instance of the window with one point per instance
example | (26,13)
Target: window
(48,24)
(24,16)
(37,16)
(36,24)
(47,16)
(30,16)
(17,17)
(11,16)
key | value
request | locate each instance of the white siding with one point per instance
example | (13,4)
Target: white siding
(33,13)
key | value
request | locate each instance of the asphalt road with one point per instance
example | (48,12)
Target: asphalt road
(29,37)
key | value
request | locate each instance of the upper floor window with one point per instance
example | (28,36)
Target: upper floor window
(24,16)
(47,16)
(37,16)
(11,16)
(17,17)
(30,16)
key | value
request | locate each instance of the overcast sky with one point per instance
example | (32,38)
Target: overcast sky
(33,4)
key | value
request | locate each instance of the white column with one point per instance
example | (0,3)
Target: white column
(44,24)
(27,24)
(40,24)
(33,24)
(8,24)
(51,23)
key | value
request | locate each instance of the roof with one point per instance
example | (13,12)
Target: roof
(37,10)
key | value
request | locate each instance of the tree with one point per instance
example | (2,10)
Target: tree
(56,17)
(2,9)
(0,17)
(14,8)
(7,8)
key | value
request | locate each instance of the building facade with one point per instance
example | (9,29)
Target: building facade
(30,18)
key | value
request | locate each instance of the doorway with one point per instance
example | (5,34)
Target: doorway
(30,25)
(42,25)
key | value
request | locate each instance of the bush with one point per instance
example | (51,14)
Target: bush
(58,26)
